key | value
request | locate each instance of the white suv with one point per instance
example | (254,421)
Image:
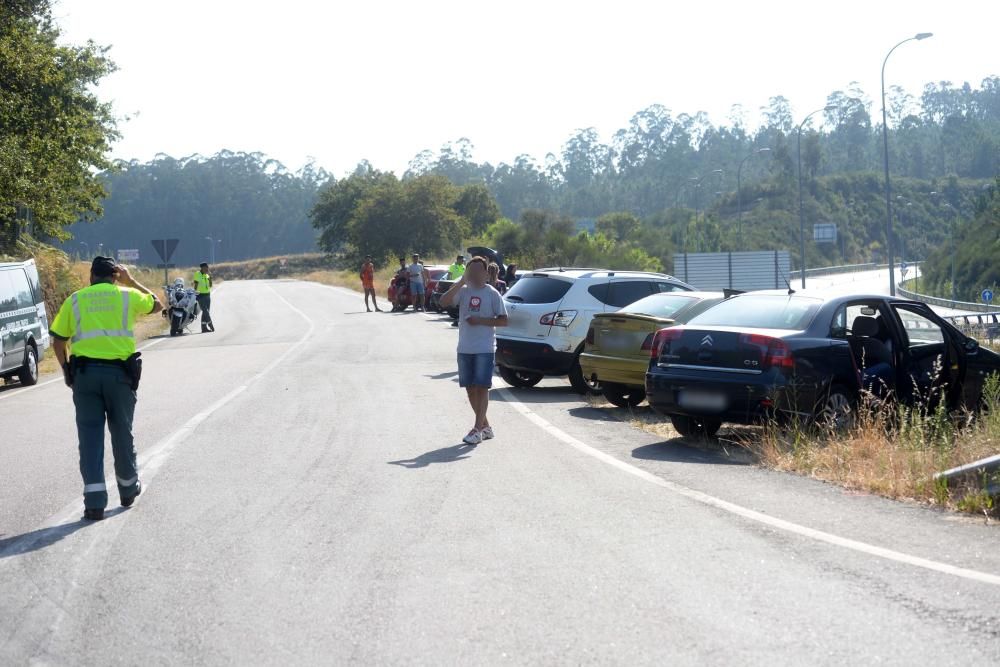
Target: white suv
(550,311)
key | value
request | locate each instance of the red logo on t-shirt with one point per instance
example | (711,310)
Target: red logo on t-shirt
(474,304)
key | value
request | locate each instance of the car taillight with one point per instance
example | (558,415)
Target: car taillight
(560,318)
(774,352)
(590,336)
(662,338)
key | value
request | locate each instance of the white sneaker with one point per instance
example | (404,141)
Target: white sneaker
(473,438)
(487,433)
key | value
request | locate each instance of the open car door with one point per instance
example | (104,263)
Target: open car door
(932,364)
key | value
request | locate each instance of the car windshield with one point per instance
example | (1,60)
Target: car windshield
(538,288)
(659,305)
(761,311)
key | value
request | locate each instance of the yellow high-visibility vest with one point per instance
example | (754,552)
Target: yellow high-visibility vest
(99,321)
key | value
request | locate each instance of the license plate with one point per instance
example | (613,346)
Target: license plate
(702,400)
(615,342)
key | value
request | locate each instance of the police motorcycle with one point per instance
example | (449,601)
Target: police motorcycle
(182,307)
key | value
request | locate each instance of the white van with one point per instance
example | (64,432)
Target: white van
(24,324)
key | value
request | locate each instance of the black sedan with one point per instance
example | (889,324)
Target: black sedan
(776,354)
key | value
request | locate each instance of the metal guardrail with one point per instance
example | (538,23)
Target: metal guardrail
(946,303)
(834,270)
(984,474)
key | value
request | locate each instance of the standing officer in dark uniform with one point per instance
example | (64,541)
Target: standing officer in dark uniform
(203,287)
(103,369)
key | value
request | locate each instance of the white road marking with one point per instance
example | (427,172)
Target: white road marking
(732,508)
(153,458)
(14,393)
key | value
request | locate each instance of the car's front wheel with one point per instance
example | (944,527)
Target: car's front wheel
(521,379)
(623,396)
(691,427)
(28,375)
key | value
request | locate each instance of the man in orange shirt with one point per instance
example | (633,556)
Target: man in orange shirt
(368,282)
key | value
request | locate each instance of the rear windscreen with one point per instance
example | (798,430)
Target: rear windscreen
(761,311)
(659,305)
(538,289)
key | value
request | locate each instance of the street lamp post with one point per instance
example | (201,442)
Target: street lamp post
(802,221)
(885,162)
(211,248)
(739,190)
(697,200)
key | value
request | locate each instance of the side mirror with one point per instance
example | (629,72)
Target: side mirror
(971,345)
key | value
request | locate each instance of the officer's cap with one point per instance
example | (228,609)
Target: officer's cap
(103,267)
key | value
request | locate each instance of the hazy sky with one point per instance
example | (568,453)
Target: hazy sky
(381,80)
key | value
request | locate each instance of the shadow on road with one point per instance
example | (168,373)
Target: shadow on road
(547,394)
(4,388)
(443,376)
(443,455)
(46,537)
(706,451)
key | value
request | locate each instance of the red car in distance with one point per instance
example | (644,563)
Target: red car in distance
(399,288)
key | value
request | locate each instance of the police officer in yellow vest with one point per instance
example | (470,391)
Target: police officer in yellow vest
(98,324)
(203,286)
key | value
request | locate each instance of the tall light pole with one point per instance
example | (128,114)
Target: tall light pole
(697,199)
(802,220)
(211,249)
(885,160)
(739,191)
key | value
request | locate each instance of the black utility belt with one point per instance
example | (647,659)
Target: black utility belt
(90,361)
(132,366)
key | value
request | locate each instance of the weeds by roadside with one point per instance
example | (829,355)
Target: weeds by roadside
(889,451)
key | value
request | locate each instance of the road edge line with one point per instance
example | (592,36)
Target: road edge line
(152,459)
(739,510)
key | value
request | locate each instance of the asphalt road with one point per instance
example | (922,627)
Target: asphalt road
(307,501)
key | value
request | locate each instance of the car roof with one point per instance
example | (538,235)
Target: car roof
(578,272)
(689,294)
(816,294)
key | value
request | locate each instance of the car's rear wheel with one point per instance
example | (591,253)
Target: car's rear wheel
(28,375)
(836,412)
(522,379)
(581,384)
(623,396)
(692,427)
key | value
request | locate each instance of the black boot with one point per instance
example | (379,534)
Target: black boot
(93,513)
(128,500)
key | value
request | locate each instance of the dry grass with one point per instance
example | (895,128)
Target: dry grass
(891,452)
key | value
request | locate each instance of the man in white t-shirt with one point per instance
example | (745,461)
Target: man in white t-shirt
(418,278)
(480,311)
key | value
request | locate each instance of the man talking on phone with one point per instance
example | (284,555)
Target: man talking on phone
(480,311)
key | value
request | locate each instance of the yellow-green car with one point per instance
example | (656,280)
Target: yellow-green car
(616,353)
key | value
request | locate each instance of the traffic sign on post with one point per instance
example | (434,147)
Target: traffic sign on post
(903,268)
(987,295)
(128,255)
(165,248)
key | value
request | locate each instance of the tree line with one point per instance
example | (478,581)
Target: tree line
(247,204)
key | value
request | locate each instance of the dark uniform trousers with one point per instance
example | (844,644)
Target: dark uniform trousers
(205,303)
(104,393)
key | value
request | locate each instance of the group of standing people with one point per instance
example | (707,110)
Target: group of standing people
(416,277)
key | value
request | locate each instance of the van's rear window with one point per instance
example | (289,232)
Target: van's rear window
(761,311)
(538,289)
